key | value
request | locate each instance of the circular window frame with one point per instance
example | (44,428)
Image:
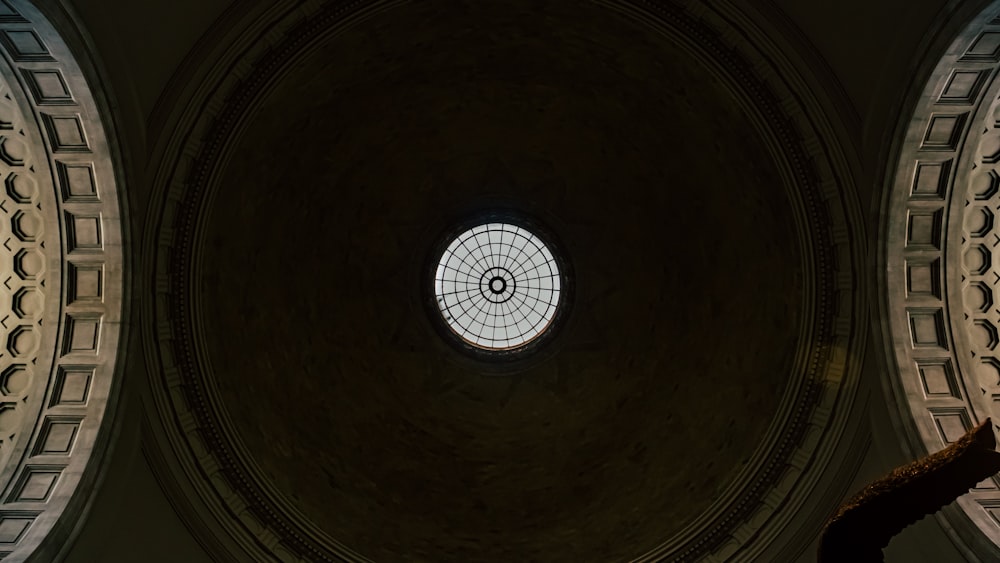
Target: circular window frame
(502,356)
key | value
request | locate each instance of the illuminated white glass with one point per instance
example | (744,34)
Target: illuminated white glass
(497,286)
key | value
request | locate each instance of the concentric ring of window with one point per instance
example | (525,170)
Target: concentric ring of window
(497,286)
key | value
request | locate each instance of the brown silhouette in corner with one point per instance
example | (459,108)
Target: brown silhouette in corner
(863,526)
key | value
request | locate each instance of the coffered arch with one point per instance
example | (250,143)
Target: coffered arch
(62,285)
(938,264)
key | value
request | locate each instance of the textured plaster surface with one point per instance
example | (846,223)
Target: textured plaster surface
(675,220)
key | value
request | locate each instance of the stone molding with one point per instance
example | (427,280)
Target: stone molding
(63,284)
(818,180)
(940,265)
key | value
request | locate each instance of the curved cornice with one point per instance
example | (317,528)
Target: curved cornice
(818,178)
(939,266)
(65,285)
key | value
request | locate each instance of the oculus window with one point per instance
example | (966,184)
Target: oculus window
(498,286)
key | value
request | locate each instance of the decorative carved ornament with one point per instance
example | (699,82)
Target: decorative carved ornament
(941,263)
(60,279)
(760,503)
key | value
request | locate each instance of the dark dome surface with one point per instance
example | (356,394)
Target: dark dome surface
(682,330)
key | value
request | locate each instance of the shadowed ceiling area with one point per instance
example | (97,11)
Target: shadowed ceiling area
(679,340)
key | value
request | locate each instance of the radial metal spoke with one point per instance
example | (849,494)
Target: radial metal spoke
(497,319)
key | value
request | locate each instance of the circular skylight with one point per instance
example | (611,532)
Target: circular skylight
(497,286)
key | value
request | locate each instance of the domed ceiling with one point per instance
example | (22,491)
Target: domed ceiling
(683,329)
(697,304)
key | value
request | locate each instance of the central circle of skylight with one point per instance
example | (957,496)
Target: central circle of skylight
(497,286)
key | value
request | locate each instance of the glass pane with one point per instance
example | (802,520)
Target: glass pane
(497,286)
